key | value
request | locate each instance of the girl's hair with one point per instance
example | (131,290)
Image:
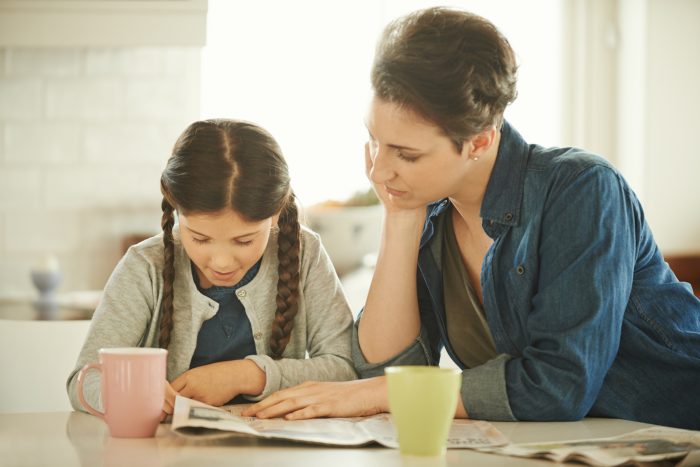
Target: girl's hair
(451,67)
(227,164)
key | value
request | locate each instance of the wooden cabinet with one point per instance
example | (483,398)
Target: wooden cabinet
(687,269)
(103,23)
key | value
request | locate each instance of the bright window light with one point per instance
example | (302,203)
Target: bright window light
(301,70)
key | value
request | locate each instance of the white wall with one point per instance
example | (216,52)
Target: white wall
(84,135)
(672,154)
(632,95)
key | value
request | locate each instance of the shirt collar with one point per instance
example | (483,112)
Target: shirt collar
(504,192)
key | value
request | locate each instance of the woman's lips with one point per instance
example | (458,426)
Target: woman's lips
(394,192)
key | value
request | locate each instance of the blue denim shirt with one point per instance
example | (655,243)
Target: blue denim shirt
(587,317)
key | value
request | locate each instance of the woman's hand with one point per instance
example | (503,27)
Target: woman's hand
(326,399)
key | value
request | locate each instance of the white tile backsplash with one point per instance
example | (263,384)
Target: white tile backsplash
(129,143)
(14,274)
(36,230)
(108,186)
(84,99)
(20,189)
(148,98)
(104,228)
(44,62)
(101,62)
(20,99)
(42,143)
(84,136)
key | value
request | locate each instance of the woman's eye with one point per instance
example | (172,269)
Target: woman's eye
(200,240)
(244,243)
(406,158)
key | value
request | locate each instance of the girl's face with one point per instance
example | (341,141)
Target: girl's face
(413,162)
(223,246)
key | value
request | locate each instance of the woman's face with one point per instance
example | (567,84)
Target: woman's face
(223,246)
(413,162)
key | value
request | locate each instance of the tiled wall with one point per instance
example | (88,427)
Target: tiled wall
(84,134)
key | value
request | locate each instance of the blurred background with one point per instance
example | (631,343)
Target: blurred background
(93,94)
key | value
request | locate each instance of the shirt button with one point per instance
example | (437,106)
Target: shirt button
(509,216)
(520,270)
(241,293)
(257,335)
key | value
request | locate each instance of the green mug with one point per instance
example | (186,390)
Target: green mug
(422,402)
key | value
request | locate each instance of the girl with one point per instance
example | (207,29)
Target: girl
(237,292)
(534,267)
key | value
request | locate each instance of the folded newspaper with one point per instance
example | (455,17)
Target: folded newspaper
(193,418)
(649,446)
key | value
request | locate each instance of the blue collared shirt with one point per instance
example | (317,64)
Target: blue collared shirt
(587,317)
(228,334)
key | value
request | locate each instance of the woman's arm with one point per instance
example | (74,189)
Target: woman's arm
(392,297)
(586,257)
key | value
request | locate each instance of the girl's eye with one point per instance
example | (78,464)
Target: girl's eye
(200,240)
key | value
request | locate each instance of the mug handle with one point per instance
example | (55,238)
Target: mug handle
(81,396)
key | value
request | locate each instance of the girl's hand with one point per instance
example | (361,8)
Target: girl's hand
(169,402)
(217,383)
(327,399)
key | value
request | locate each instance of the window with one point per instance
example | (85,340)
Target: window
(301,70)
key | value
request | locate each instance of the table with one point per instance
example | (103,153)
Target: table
(29,310)
(78,439)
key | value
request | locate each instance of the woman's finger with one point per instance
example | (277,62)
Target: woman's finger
(368,160)
(286,406)
(269,401)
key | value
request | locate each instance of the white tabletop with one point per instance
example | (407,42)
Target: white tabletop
(78,439)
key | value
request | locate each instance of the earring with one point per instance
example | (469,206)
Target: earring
(474,158)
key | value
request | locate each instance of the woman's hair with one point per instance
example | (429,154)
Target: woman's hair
(451,67)
(228,164)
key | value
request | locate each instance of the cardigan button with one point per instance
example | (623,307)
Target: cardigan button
(509,216)
(520,270)
(241,293)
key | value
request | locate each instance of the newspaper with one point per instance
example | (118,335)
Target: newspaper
(193,418)
(655,445)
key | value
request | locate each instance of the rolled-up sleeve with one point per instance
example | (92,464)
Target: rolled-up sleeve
(416,353)
(484,392)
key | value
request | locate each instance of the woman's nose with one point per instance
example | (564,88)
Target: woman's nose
(381,170)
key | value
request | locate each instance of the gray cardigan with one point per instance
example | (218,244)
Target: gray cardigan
(129,310)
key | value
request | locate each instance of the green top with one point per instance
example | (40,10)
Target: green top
(467,328)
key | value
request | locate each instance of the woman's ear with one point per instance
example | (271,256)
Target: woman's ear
(479,144)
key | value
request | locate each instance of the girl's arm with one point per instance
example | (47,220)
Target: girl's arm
(328,327)
(121,319)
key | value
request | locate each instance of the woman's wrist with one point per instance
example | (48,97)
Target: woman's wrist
(379,389)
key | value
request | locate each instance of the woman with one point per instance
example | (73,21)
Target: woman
(533,266)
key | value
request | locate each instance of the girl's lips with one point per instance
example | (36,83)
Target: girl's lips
(223,275)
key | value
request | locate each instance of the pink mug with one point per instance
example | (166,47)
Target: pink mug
(133,390)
